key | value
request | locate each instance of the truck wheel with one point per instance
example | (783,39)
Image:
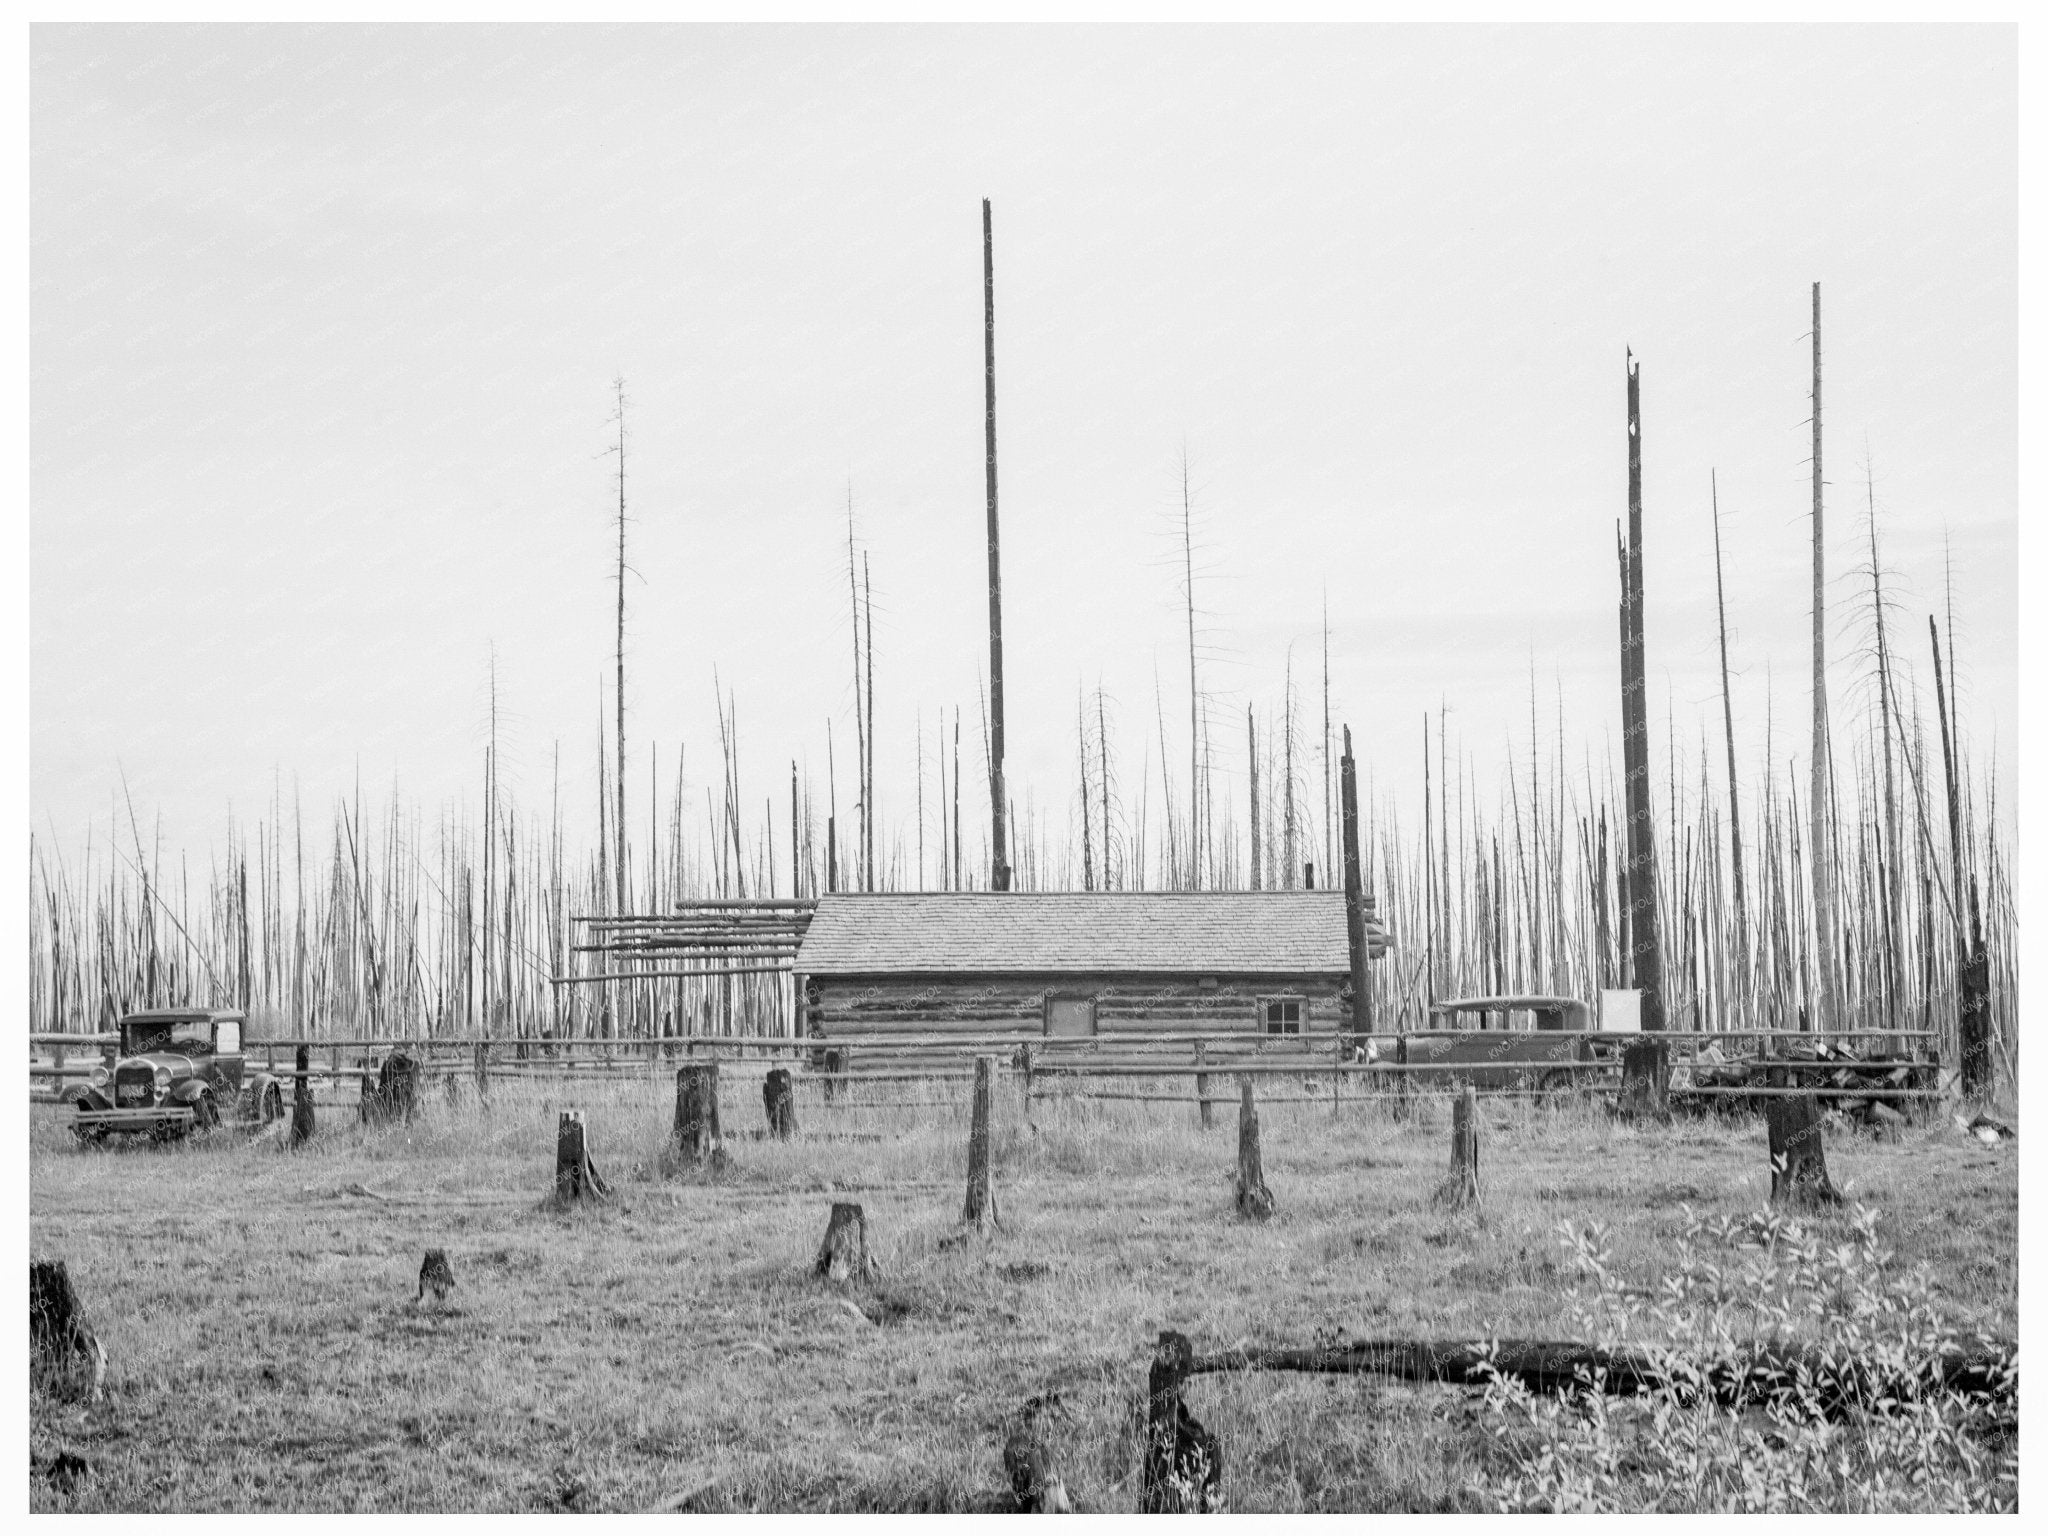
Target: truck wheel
(205,1114)
(273,1104)
(1558,1087)
(89,1135)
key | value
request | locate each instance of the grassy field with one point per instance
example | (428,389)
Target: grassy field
(266,1351)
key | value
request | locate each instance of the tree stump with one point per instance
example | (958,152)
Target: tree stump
(302,1098)
(392,1095)
(576,1176)
(696,1145)
(1462,1187)
(65,1359)
(778,1093)
(437,1277)
(1035,1482)
(1645,1082)
(834,1064)
(1254,1200)
(483,1074)
(1799,1165)
(1183,1471)
(843,1257)
(980,1211)
(1202,1083)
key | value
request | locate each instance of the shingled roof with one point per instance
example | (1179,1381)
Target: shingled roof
(982,932)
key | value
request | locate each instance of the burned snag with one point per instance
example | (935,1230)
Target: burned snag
(1183,1471)
(1799,1165)
(302,1098)
(1645,1082)
(778,1094)
(980,1210)
(1254,1200)
(843,1256)
(576,1175)
(65,1357)
(696,1145)
(1462,1187)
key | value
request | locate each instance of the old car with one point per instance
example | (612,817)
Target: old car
(173,1072)
(1519,1042)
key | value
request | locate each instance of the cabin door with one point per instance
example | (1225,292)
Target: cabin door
(1070,1017)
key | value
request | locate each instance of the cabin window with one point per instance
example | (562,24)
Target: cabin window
(1070,1017)
(1282,1015)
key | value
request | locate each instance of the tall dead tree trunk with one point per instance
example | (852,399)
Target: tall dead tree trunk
(1252,732)
(998,795)
(1728,723)
(1820,846)
(619,692)
(1647,956)
(1354,904)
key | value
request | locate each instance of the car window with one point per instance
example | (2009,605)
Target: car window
(227,1036)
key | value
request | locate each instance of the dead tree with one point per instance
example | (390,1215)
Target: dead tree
(576,1175)
(1462,1187)
(65,1358)
(696,1144)
(778,1093)
(980,1210)
(1254,1200)
(1183,1471)
(302,1098)
(998,797)
(843,1256)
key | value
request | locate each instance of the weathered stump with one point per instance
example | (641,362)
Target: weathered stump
(1202,1083)
(451,1087)
(302,1098)
(393,1094)
(834,1063)
(1254,1200)
(1183,1471)
(1035,1481)
(437,1276)
(65,1358)
(576,1175)
(1645,1082)
(843,1256)
(778,1093)
(1462,1187)
(483,1074)
(696,1145)
(980,1210)
(1799,1165)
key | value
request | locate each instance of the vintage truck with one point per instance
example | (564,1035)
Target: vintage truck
(1515,1042)
(174,1072)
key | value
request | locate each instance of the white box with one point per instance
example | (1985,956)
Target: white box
(1621,1011)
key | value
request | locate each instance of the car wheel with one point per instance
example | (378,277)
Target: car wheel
(205,1114)
(273,1103)
(89,1135)
(1559,1086)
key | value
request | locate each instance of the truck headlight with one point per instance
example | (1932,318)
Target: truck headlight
(163,1078)
(100,1076)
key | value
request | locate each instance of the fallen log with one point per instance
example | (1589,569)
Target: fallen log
(1833,1384)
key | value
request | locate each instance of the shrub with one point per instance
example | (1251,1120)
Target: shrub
(1674,1448)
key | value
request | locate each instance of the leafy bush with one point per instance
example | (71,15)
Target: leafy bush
(1737,1287)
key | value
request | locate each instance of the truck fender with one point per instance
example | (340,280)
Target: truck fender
(256,1087)
(187,1092)
(89,1097)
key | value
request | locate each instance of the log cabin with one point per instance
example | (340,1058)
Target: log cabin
(1023,965)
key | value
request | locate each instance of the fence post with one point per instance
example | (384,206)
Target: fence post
(980,1210)
(483,1074)
(1202,1081)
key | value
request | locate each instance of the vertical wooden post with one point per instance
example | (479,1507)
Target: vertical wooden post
(1254,1200)
(1202,1082)
(483,1074)
(980,1210)
(1462,1187)
(1024,1066)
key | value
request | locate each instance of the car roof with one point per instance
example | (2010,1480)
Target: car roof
(180,1015)
(1474,1004)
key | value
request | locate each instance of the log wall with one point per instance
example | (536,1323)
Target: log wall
(1126,1006)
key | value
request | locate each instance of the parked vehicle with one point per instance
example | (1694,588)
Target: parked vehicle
(1520,1042)
(175,1072)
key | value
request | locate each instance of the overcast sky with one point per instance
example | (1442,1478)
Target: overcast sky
(324,324)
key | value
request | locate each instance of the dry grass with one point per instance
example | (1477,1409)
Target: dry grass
(266,1352)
